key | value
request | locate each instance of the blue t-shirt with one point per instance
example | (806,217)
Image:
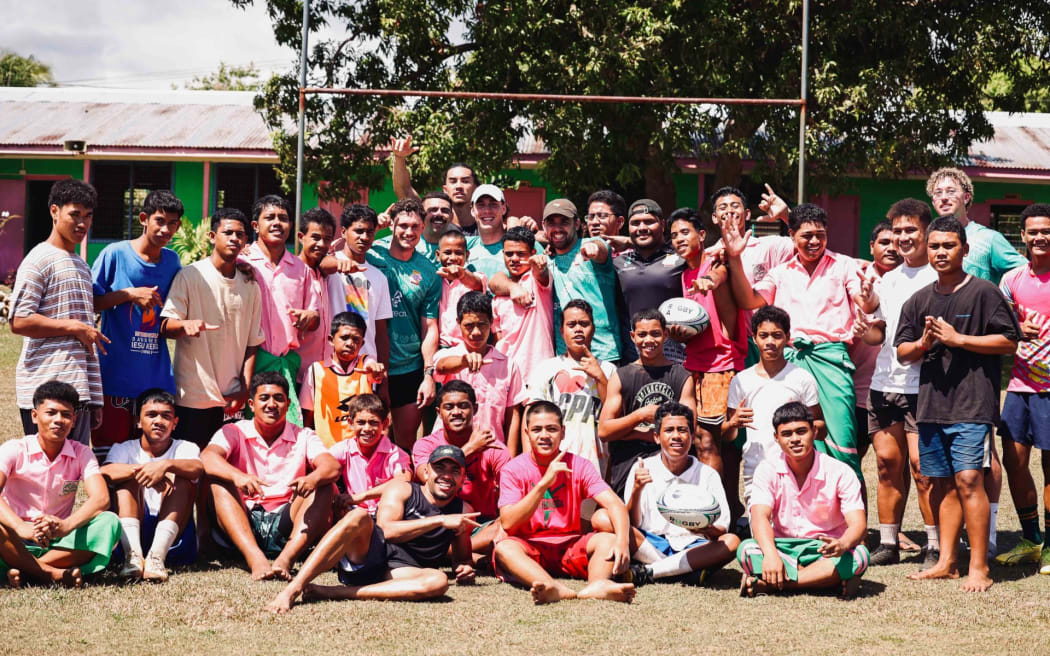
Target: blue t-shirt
(595,283)
(137,357)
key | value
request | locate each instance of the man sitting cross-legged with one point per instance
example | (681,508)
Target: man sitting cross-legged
(154,480)
(806,515)
(265,501)
(540,496)
(41,536)
(666,549)
(395,557)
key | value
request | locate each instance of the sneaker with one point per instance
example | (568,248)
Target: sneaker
(133,566)
(154,569)
(886,554)
(1044,561)
(1025,553)
(641,574)
(931,556)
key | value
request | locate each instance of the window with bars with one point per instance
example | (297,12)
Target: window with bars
(122,188)
(1007,220)
(238,185)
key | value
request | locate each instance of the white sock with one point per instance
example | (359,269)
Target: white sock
(131,536)
(165,535)
(672,565)
(993,534)
(933,538)
(647,553)
(888,534)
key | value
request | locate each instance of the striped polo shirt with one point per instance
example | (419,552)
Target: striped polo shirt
(56,284)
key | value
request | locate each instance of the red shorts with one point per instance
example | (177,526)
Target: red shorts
(117,421)
(561,559)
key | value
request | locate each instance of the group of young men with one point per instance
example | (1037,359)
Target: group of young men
(502,394)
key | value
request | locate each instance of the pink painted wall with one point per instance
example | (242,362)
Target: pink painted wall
(12,236)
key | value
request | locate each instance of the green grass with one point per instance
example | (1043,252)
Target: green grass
(215,609)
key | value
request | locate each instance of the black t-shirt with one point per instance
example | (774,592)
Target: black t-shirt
(430,548)
(641,386)
(645,283)
(956,385)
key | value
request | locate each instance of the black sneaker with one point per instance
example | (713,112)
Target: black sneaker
(641,574)
(886,554)
(930,557)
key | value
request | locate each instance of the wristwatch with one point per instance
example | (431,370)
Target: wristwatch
(428,371)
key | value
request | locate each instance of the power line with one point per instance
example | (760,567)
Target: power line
(168,75)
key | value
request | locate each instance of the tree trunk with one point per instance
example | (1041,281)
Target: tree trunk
(659,181)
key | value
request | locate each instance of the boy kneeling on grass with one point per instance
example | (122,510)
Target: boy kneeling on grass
(154,480)
(41,536)
(806,515)
(266,503)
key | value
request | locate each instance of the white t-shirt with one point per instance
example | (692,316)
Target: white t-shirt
(650,518)
(764,396)
(576,394)
(366,293)
(897,287)
(132,453)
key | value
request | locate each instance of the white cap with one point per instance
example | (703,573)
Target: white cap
(487,190)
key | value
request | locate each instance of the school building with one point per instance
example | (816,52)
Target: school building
(213,150)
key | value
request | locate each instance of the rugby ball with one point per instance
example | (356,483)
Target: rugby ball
(689,506)
(685,312)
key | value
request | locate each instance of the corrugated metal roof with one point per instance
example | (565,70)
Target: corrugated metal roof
(1021,141)
(102,117)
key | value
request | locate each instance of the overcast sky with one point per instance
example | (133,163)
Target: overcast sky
(141,44)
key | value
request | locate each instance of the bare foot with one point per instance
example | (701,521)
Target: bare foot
(71,578)
(849,588)
(976,581)
(548,593)
(261,571)
(608,591)
(282,603)
(938,571)
(747,585)
(907,544)
(280,571)
(14,578)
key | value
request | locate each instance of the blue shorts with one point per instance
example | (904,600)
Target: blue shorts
(1026,419)
(183,552)
(947,449)
(664,547)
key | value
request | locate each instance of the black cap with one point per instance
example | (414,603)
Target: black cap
(645,206)
(448,452)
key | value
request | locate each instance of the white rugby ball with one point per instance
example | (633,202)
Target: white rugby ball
(685,312)
(689,506)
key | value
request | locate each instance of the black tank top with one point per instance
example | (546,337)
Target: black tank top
(641,386)
(432,546)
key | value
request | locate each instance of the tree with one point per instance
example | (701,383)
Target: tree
(228,78)
(18,71)
(894,87)
(1007,94)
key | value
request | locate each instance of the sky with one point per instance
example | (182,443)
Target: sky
(140,44)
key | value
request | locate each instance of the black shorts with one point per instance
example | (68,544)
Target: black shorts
(404,387)
(198,425)
(382,557)
(888,408)
(271,530)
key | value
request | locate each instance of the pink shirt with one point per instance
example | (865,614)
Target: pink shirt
(713,350)
(275,464)
(1029,294)
(821,305)
(38,486)
(362,474)
(864,356)
(448,327)
(499,385)
(283,287)
(526,333)
(314,345)
(557,517)
(481,482)
(819,508)
(761,255)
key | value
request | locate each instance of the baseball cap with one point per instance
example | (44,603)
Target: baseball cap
(487,190)
(560,207)
(448,452)
(645,206)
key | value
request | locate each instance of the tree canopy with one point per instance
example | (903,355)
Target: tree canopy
(894,87)
(228,78)
(18,71)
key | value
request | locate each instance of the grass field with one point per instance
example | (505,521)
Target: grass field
(215,609)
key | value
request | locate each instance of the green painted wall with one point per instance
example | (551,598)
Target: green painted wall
(69,166)
(189,188)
